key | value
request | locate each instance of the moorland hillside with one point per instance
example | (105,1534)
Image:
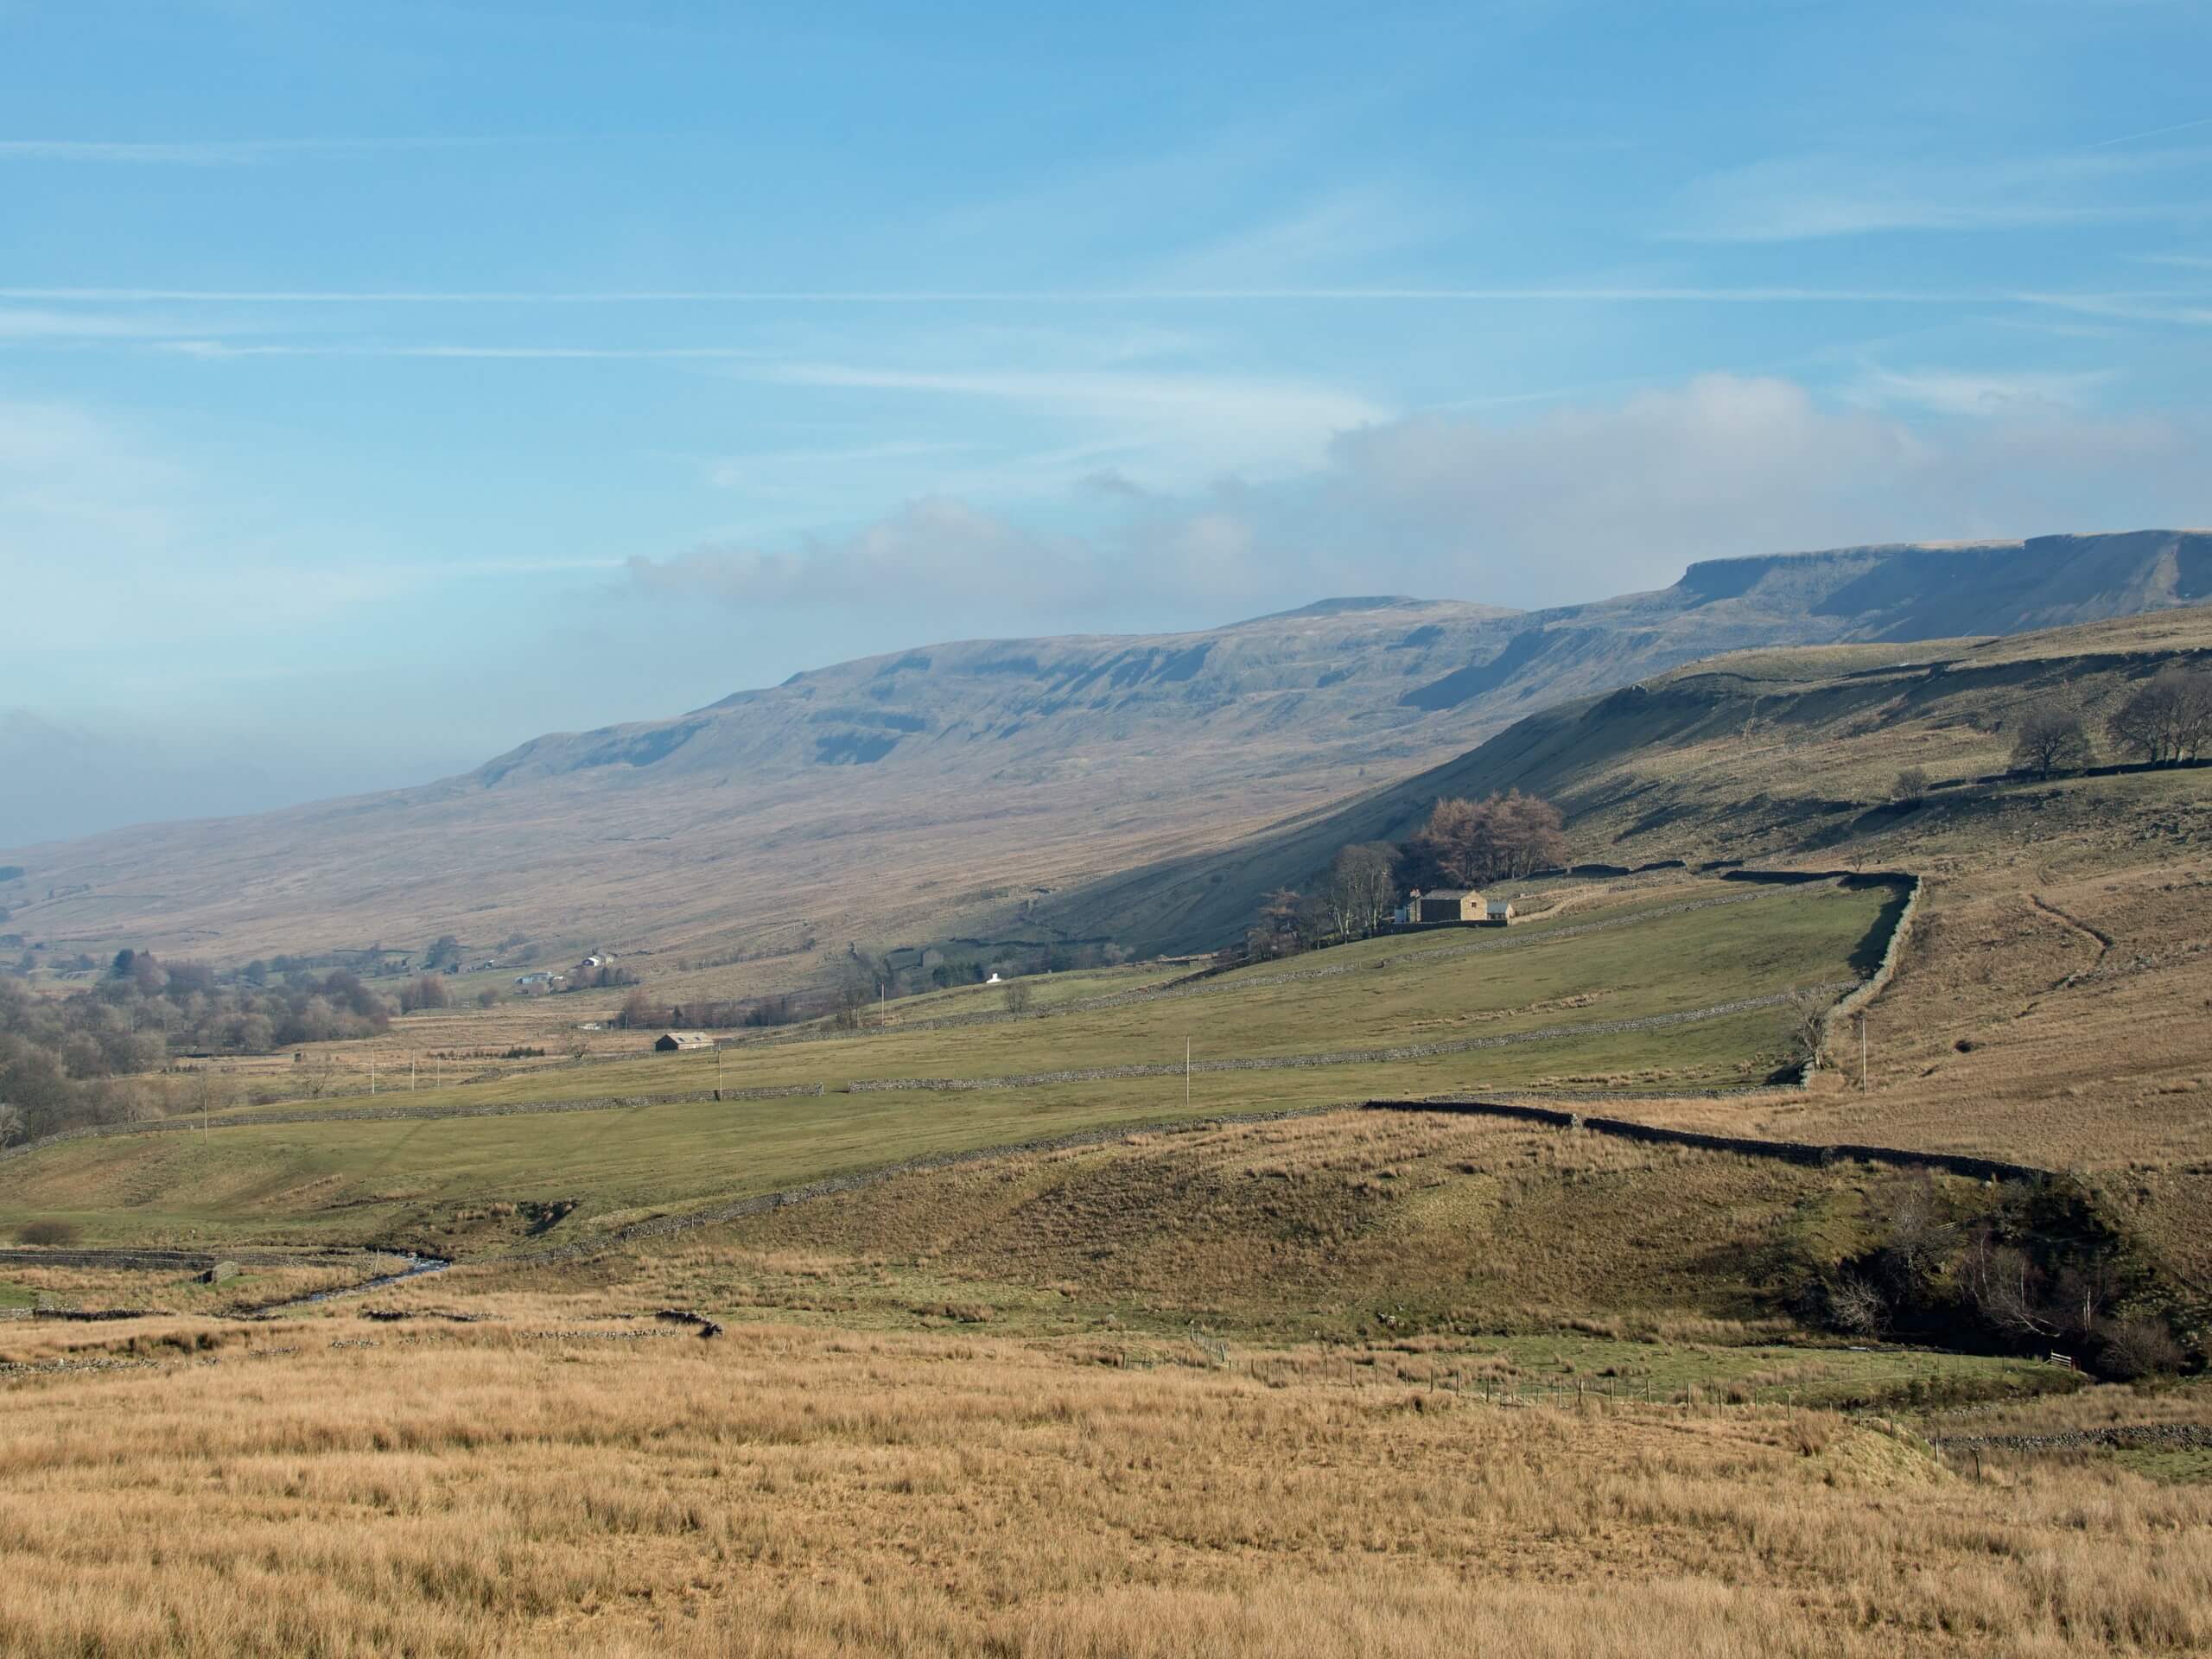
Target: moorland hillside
(1766,755)
(939,789)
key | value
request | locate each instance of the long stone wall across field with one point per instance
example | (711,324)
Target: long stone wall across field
(1795,1151)
(1892,957)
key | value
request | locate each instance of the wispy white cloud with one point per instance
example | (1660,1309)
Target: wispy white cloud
(772,467)
(2155,132)
(26,323)
(1211,423)
(1337,233)
(98,151)
(1566,294)
(944,551)
(1966,392)
(218,349)
(1810,197)
(225,152)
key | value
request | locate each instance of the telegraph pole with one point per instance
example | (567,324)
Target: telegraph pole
(1186,1074)
(1863,1084)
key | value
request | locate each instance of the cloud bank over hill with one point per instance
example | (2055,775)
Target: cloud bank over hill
(1578,500)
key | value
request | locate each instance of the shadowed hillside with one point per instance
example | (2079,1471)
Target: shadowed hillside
(1759,755)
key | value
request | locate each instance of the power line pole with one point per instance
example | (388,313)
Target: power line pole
(1186,1074)
(1863,1084)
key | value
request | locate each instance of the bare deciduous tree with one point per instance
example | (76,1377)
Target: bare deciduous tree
(2049,738)
(2007,1288)
(1911,784)
(2139,1348)
(1277,933)
(1362,889)
(1857,1305)
(1812,1029)
(1919,1237)
(1019,997)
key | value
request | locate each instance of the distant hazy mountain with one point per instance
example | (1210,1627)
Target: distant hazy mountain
(887,799)
(1381,676)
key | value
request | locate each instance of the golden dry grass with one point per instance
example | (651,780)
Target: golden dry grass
(794,1493)
(1342,1224)
(173,1291)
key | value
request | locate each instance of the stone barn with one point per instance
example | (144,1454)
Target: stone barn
(1446,905)
(678,1042)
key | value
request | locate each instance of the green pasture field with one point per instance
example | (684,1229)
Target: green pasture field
(1427,992)
(357,1181)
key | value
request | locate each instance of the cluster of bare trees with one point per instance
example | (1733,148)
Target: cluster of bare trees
(82,1059)
(641,1011)
(2168,718)
(1462,843)
(1354,901)
(1501,838)
(424,991)
(1361,890)
(2164,720)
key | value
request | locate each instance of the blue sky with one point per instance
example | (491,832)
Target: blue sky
(381,385)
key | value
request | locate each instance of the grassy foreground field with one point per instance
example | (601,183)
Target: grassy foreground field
(1558,1004)
(543,1487)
